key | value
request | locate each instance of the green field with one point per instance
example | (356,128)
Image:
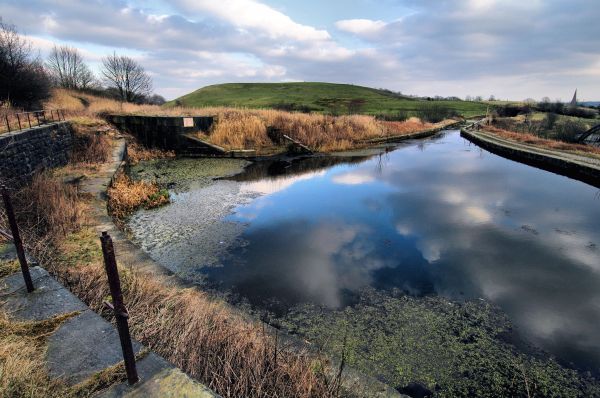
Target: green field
(316,97)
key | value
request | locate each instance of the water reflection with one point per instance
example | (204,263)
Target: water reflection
(440,217)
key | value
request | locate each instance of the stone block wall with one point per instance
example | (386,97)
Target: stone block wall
(165,132)
(24,152)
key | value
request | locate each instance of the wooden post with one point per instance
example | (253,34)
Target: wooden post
(14,228)
(118,307)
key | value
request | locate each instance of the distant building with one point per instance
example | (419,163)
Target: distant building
(574,100)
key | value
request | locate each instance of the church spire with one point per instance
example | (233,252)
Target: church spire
(574,100)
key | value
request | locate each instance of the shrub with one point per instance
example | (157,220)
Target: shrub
(435,112)
(91,147)
(399,116)
(569,130)
(512,110)
(550,120)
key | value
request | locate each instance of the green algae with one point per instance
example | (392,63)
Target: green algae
(457,349)
(182,174)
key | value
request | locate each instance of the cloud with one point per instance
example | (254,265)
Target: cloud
(365,27)
(513,49)
(256,16)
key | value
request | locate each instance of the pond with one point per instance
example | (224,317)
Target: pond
(437,217)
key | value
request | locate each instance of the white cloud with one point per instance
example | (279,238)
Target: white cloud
(251,14)
(360,26)
(353,178)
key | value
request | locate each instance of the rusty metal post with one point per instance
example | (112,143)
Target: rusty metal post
(7,123)
(19,121)
(37,116)
(28,120)
(14,228)
(121,316)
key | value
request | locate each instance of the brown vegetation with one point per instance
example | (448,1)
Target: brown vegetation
(232,355)
(137,152)
(542,142)
(212,342)
(22,367)
(126,195)
(248,128)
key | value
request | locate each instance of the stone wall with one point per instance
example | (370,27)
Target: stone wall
(24,152)
(165,132)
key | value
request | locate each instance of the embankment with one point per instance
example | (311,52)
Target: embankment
(579,167)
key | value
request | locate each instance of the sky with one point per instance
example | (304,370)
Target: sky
(512,49)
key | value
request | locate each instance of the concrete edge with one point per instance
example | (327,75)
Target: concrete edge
(546,160)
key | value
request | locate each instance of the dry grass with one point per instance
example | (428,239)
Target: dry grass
(23,370)
(49,205)
(233,356)
(126,195)
(137,152)
(249,129)
(542,142)
(240,128)
(22,359)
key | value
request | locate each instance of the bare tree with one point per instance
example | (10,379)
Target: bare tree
(23,80)
(68,69)
(127,76)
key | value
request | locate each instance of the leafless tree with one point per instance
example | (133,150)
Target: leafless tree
(23,80)
(68,69)
(127,76)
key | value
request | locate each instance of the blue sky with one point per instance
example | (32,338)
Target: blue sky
(512,49)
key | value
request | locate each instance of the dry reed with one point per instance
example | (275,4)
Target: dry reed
(126,195)
(233,356)
(542,142)
(137,152)
(241,128)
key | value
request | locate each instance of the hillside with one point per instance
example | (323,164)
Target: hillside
(316,97)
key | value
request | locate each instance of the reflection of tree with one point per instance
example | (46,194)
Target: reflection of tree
(382,159)
(288,167)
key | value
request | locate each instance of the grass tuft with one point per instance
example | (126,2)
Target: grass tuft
(126,195)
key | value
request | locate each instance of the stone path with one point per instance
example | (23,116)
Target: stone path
(86,343)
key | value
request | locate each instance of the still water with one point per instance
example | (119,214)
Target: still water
(439,216)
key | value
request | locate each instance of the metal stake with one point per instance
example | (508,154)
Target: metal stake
(14,228)
(7,123)
(110,264)
(28,119)
(19,121)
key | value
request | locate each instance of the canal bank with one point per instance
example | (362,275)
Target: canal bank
(580,167)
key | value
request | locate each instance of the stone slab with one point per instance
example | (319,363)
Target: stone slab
(49,299)
(158,378)
(171,383)
(15,282)
(82,346)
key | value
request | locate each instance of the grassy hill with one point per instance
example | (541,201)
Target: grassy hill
(316,97)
